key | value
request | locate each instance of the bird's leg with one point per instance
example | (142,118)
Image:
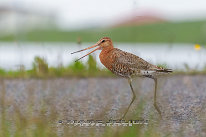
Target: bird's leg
(155,97)
(133,98)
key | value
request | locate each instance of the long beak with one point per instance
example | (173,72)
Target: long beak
(86,49)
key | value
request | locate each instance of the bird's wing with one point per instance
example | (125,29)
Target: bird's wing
(127,64)
(131,60)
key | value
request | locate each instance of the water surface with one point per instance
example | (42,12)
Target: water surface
(12,55)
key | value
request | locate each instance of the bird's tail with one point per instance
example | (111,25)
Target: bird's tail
(164,70)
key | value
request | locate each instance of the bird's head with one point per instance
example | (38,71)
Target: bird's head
(105,42)
(101,44)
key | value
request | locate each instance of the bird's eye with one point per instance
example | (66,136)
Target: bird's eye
(103,41)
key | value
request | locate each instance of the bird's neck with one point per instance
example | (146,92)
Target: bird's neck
(107,49)
(105,56)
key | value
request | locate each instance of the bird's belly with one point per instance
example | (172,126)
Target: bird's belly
(146,72)
(122,74)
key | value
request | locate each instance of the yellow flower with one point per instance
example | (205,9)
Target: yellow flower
(197,47)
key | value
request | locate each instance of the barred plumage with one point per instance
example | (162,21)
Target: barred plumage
(128,65)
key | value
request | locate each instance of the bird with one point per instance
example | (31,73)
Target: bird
(126,65)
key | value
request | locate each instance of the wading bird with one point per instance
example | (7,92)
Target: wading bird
(126,65)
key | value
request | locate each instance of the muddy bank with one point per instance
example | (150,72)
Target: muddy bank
(181,98)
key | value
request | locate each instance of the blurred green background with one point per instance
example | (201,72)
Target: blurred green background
(167,32)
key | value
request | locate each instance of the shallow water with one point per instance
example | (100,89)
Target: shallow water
(12,55)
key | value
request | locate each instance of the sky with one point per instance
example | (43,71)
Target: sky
(71,13)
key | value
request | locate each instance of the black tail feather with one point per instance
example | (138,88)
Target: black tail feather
(164,70)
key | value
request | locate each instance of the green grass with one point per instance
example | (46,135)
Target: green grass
(169,32)
(40,69)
